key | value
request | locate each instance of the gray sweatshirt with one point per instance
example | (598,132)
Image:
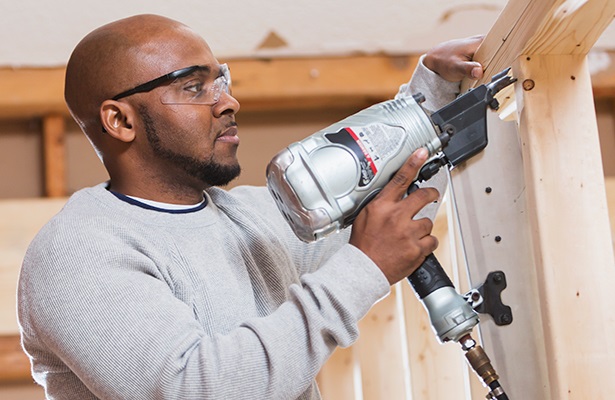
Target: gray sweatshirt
(121,301)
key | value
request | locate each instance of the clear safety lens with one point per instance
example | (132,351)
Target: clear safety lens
(198,88)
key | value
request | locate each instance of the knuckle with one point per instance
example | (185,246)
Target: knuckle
(427,224)
(432,244)
(400,178)
(422,196)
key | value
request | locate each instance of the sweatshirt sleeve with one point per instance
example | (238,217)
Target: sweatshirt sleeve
(438,92)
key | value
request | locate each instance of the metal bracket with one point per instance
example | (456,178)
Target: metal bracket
(492,304)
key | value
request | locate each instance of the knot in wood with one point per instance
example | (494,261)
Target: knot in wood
(528,84)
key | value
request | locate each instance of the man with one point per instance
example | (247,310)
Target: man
(158,284)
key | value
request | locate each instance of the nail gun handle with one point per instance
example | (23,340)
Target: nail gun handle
(429,277)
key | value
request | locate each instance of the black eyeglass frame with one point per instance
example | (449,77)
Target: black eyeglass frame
(160,81)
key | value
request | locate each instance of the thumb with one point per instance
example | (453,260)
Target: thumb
(474,70)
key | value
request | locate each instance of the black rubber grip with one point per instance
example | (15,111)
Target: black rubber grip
(429,277)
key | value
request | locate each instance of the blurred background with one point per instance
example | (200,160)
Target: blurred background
(297,67)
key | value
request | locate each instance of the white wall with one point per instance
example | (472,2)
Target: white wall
(39,33)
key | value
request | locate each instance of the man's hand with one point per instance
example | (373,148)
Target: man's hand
(385,231)
(452,60)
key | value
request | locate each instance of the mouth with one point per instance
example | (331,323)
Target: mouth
(229,135)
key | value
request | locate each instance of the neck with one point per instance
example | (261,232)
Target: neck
(170,194)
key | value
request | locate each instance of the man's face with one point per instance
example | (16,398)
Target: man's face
(207,169)
(186,140)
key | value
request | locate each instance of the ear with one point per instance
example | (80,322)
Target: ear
(117,118)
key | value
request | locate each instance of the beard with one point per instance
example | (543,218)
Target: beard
(208,172)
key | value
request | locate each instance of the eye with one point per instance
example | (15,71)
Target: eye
(194,87)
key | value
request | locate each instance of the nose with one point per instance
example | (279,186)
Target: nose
(226,105)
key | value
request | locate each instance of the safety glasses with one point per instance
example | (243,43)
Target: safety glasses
(190,85)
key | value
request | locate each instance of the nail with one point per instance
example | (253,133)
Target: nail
(476,72)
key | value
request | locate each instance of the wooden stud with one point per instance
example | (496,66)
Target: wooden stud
(569,220)
(383,372)
(14,364)
(336,379)
(54,138)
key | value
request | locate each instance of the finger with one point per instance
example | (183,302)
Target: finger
(428,244)
(479,38)
(422,227)
(420,198)
(404,177)
(474,70)
(471,69)
(461,69)
(453,60)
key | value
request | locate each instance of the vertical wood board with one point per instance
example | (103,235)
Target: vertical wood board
(20,221)
(54,145)
(490,193)
(379,352)
(570,225)
(336,378)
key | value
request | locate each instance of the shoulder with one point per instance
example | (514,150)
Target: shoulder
(92,223)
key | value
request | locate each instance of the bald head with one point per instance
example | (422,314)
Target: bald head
(119,56)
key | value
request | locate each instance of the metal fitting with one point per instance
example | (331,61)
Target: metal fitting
(481,364)
(467,342)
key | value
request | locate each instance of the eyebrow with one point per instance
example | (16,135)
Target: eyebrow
(203,68)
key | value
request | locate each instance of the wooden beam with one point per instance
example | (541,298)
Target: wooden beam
(319,82)
(542,27)
(31,92)
(54,143)
(259,84)
(265,84)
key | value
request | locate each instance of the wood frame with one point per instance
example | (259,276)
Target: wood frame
(546,43)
